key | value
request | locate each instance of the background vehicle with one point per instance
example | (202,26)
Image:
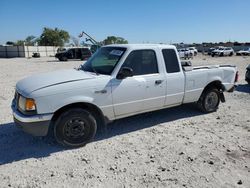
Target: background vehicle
(36,54)
(247,77)
(74,53)
(185,53)
(210,50)
(223,51)
(193,50)
(243,52)
(116,82)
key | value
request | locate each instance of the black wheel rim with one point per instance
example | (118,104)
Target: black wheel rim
(76,130)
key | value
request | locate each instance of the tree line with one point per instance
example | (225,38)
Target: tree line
(59,37)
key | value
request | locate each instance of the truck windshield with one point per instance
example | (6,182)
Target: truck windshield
(104,60)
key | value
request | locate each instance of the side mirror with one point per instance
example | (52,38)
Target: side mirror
(124,73)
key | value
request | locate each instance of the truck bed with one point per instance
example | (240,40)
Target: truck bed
(200,76)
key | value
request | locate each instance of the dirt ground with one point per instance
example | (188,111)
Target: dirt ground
(176,147)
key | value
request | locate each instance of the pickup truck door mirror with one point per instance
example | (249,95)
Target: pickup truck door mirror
(124,73)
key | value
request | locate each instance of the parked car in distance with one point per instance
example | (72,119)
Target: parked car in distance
(74,53)
(116,82)
(247,77)
(243,52)
(193,50)
(36,54)
(185,53)
(223,51)
(210,50)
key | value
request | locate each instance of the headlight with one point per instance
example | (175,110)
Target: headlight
(26,104)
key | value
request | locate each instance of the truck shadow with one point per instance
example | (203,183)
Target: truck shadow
(245,88)
(16,145)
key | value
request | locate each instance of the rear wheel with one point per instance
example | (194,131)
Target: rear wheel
(209,100)
(75,128)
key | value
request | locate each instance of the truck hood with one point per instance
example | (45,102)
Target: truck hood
(43,80)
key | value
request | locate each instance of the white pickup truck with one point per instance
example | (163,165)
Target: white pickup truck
(117,81)
(223,51)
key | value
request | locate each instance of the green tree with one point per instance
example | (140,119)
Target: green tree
(30,40)
(20,43)
(53,37)
(114,40)
(10,43)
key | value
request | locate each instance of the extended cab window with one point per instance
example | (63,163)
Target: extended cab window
(142,62)
(171,60)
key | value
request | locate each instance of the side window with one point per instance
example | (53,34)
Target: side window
(85,51)
(171,60)
(71,52)
(142,62)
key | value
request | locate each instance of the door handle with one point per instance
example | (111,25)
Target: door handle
(101,91)
(157,82)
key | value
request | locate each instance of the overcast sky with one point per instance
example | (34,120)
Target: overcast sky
(138,21)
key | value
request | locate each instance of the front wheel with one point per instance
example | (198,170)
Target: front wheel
(75,128)
(209,100)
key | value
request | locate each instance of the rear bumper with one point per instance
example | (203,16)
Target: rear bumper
(36,125)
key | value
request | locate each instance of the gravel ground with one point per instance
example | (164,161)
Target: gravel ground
(177,147)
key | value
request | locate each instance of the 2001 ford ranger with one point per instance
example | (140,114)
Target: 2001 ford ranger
(116,82)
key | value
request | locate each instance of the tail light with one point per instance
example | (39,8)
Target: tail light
(236,77)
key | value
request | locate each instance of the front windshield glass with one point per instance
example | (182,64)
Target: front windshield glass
(221,48)
(104,60)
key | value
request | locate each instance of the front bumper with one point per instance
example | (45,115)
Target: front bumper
(36,125)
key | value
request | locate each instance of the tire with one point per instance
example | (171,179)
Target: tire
(221,54)
(75,128)
(231,54)
(64,59)
(209,100)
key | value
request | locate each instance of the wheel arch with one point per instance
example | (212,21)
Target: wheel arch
(214,84)
(93,109)
(217,84)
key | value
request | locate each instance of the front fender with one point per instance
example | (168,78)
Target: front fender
(51,104)
(75,99)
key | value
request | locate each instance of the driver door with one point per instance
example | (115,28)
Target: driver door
(138,93)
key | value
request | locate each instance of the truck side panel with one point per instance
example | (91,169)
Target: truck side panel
(197,80)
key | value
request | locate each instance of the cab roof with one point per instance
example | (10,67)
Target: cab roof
(143,46)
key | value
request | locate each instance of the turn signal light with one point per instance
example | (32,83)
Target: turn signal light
(30,104)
